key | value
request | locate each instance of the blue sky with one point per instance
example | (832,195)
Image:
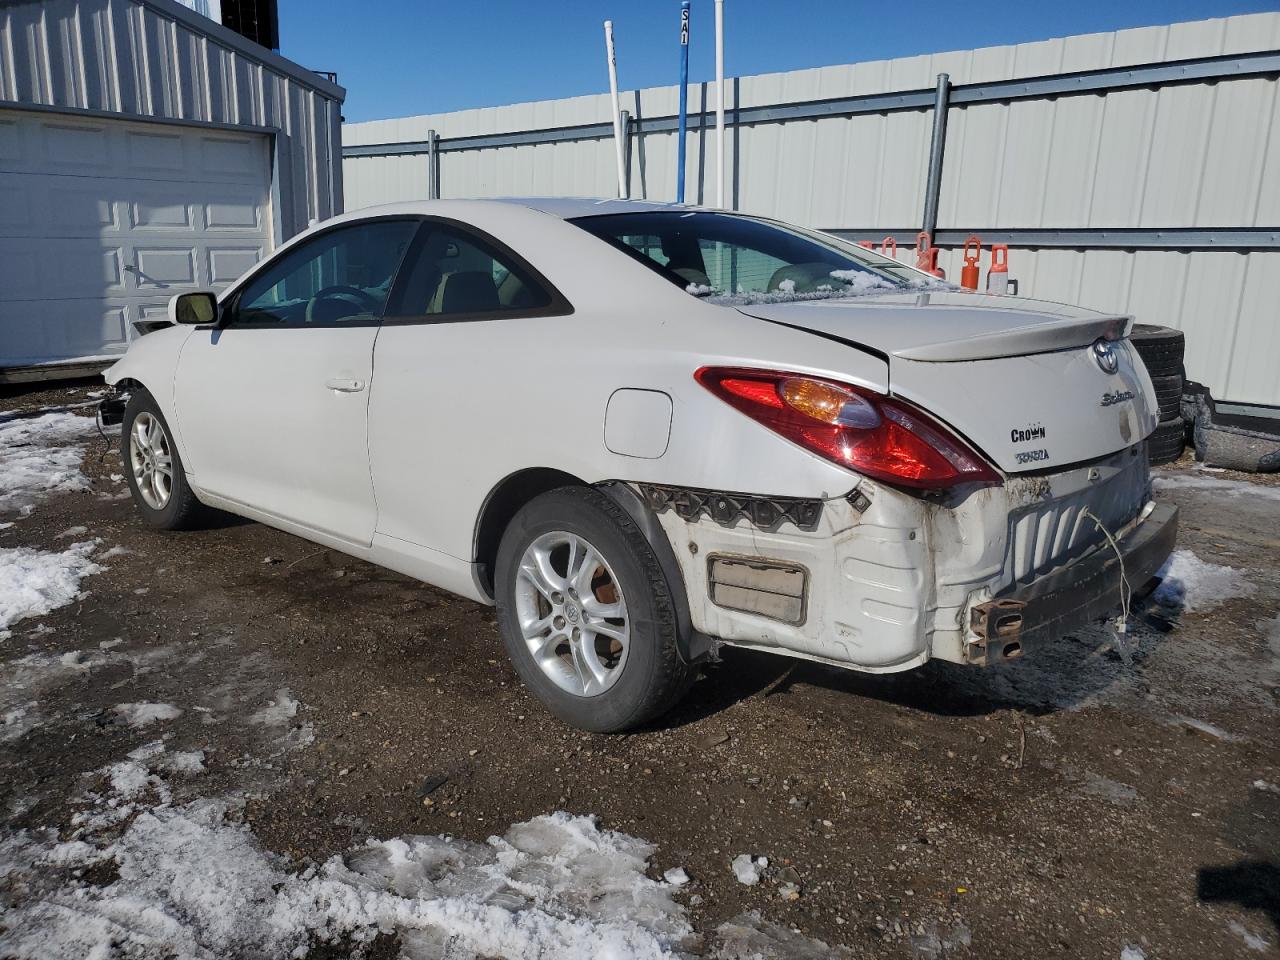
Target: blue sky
(403,57)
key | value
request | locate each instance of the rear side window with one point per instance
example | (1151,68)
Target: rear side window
(457,274)
(730,255)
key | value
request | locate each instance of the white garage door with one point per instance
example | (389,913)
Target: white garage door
(101,221)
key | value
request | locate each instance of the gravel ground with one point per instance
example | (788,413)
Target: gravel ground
(1077,804)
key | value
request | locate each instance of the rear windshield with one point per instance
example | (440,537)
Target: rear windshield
(733,259)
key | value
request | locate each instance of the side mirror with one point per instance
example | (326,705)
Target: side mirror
(199,307)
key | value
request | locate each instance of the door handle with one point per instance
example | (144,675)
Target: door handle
(344,384)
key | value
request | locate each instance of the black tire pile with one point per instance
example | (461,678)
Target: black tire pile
(1162,349)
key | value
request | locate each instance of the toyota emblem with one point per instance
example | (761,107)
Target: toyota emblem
(1104,352)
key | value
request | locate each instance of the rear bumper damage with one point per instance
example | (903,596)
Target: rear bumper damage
(1078,593)
(879,580)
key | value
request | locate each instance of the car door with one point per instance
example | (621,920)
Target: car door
(273,402)
(455,346)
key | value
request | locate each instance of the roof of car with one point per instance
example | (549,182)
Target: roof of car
(565,208)
(569,207)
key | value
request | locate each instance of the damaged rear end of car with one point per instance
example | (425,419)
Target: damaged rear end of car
(999,492)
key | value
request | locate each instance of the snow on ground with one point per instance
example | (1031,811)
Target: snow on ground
(280,710)
(39,456)
(1251,940)
(748,937)
(748,868)
(139,715)
(152,867)
(1200,480)
(1194,584)
(190,880)
(34,582)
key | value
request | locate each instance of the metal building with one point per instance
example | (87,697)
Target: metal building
(144,150)
(1136,171)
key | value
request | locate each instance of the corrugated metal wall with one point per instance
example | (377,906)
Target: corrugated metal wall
(157,59)
(1194,155)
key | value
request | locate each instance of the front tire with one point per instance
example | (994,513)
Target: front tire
(586,612)
(153,467)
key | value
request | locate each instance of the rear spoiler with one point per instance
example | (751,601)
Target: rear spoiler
(1021,341)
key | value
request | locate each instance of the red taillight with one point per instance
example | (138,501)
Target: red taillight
(875,435)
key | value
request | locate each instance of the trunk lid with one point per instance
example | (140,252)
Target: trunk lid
(1018,378)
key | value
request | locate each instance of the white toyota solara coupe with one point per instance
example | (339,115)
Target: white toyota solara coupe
(644,430)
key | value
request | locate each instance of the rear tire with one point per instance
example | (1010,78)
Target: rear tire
(572,560)
(153,467)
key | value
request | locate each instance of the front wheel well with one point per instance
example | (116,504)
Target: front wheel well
(127,385)
(503,502)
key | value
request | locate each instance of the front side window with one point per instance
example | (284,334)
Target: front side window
(343,276)
(731,257)
(457,274)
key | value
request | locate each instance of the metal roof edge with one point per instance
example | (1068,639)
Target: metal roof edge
(203,25)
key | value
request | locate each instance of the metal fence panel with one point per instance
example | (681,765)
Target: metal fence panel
(1155,144)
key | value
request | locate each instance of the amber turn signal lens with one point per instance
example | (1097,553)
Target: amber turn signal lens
(827,403)
(822,401)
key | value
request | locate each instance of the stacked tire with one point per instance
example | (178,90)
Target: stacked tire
(1162,349)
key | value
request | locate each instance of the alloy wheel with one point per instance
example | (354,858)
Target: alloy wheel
(151,460)
(572,613)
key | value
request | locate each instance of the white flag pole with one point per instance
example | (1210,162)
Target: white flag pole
(617,111)
(720,104)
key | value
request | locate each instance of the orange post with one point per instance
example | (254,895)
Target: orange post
(927,256)
(867,243)
(998,275)
(969,274)
(923,244)
(889,247)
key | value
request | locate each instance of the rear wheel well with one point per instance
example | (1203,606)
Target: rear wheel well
(503,502)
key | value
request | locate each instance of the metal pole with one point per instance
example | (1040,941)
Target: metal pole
(933,188)
(720,104)
(684,99)
(433,159)
(611,53)
(626,152)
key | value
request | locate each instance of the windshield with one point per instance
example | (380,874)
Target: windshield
(734,259)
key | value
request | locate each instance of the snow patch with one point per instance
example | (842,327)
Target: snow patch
(128,778)
(748,937)
(1194,584)
(76,531)
(1205,727)
(280,710)
(1230,488)
(184,761)
(139,715)
(35,582)
(39,456)
(1251,940)
(193,883)
(748,868)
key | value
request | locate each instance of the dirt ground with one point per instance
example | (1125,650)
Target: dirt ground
(1069,805)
